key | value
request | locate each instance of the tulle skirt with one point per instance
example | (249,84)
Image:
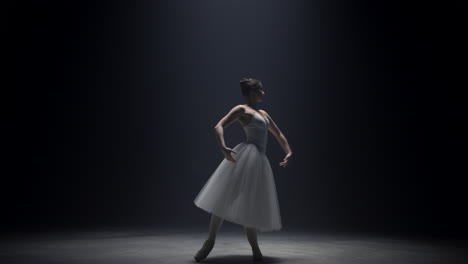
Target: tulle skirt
(243,192)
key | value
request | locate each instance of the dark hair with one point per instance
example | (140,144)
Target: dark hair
(248,84)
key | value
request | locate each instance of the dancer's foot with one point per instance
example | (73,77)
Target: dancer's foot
(205,250)
(257,254)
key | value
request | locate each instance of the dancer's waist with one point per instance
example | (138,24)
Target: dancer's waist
(260,145)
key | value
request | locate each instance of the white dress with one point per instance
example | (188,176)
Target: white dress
(245,192)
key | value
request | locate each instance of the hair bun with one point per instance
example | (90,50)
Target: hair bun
(247,84)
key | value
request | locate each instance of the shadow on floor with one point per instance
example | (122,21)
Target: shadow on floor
(242,259)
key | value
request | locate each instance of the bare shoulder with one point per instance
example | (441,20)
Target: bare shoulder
(235,113)
(264,113)
(240,106)
(238,109)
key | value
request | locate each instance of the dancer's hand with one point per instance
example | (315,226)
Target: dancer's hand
(285,160)
(227,153)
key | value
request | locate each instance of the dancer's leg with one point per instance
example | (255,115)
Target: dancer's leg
(251,233)
(215,225)
(252,237)
(208,245)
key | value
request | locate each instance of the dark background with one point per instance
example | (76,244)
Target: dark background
(114,104)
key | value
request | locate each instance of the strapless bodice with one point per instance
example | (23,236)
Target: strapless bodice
(257,131)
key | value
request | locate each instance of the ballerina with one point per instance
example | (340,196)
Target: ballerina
(242,189)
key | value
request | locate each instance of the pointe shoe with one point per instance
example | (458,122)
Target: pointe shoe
(205,250)
(257,255)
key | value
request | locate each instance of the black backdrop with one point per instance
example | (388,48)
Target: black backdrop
(114,104)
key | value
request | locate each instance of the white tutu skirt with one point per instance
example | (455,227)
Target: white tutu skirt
(243,192)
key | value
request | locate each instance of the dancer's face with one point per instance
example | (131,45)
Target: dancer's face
(258,94)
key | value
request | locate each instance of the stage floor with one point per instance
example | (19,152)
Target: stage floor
(179,245)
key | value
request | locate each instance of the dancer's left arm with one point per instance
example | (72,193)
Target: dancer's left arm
(274,129)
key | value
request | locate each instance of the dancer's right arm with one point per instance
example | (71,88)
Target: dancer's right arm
(227,120)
